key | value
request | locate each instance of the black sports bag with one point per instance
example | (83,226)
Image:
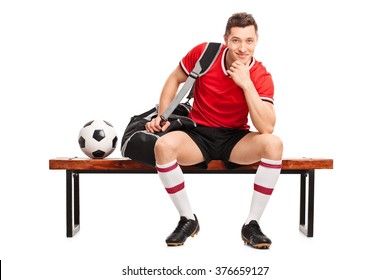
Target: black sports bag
(138,144)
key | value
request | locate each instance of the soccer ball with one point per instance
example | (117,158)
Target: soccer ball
(97,139)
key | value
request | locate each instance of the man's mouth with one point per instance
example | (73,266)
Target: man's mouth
(242,55)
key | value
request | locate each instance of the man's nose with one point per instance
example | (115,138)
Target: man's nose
(242,47)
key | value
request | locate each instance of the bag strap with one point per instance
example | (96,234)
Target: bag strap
(201,67)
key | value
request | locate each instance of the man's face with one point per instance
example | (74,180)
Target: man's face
(241,43)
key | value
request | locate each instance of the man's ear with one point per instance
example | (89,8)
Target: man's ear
(225,38)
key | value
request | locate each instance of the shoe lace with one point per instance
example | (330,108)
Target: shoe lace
(254,229)
(184,226)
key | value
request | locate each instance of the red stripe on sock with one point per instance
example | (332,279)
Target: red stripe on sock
(263,190)
(167,169)
(175,189)
(268,165)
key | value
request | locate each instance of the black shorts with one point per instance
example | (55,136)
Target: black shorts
(216,143)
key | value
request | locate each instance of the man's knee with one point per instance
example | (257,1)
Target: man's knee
(273,146)
(162,148)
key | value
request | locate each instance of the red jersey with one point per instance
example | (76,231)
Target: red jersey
(218,100)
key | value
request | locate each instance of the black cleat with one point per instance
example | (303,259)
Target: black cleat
(252,236)
(185,228)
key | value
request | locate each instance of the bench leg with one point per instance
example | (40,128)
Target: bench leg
(72,203)
(307,228)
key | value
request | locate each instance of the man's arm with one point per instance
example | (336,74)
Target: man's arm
(168,92)
(262,113)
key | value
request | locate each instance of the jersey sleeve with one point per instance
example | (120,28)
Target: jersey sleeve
(265,86)
(189,60)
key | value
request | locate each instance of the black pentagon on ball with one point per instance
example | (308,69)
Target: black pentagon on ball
(88,123)
(99,135)
(114,142)
(108,123)
(98,154)
(82,142)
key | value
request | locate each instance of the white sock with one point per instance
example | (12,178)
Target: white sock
(172,178)
(266,177)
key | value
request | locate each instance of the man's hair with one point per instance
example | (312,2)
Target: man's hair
(240,20)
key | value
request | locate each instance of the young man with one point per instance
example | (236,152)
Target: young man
(235,86)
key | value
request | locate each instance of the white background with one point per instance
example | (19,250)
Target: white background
(63,63)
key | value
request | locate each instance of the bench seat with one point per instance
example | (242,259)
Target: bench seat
(118,164)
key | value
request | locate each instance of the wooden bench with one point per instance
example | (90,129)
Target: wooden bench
(305,167)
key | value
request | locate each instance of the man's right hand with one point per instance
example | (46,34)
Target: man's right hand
(155,125)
